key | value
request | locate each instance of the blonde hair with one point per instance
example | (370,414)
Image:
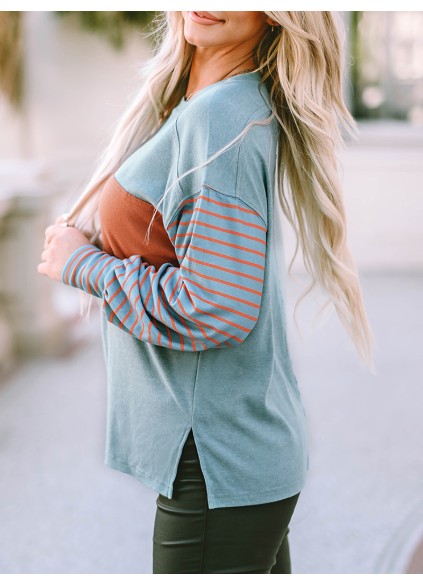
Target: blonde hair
(301,65)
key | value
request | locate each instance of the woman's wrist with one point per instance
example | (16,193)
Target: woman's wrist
(88,268)
(71,265)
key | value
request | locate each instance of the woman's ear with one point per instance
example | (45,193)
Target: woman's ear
(271,22)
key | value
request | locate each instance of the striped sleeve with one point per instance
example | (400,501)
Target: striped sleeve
(212,300)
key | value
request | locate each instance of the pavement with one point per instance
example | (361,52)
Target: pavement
(62,511)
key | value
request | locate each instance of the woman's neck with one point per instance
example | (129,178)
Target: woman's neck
(210,65)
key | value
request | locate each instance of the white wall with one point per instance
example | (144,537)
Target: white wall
(76,86)
(382,177)
(12,131)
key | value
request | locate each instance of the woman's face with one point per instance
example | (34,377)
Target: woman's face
(220,29)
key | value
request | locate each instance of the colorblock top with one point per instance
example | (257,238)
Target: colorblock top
(194,325)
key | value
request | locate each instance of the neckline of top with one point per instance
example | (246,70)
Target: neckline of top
(234,79)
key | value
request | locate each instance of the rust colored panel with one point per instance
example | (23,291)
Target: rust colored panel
(124,222)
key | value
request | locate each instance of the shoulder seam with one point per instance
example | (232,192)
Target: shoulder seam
(234,197)
(250,119)
(263,107)
(238,199)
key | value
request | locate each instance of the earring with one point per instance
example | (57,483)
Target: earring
(273,29)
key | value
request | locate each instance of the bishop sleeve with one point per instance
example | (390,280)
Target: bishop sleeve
(212,300)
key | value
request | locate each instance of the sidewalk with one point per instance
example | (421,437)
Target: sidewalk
(63,511)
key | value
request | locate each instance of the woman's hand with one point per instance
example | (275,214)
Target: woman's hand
(61,241)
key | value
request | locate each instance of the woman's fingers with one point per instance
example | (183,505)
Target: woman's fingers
(57,226)
(53,231)
(42,268)
(49,235)
(62,219)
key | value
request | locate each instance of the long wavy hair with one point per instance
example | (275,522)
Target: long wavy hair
(301,64)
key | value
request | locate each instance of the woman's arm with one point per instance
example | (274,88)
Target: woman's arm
(211,301)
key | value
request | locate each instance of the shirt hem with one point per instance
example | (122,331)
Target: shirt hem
(133,470)
(248,499)
(213,501)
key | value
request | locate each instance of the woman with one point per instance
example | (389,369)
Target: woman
(175,234)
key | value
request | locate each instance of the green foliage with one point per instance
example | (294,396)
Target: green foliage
(357,107)
(11,56)
(111,24)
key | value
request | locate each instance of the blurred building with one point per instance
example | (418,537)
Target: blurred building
(74,85)
(71,88)
(387,65)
